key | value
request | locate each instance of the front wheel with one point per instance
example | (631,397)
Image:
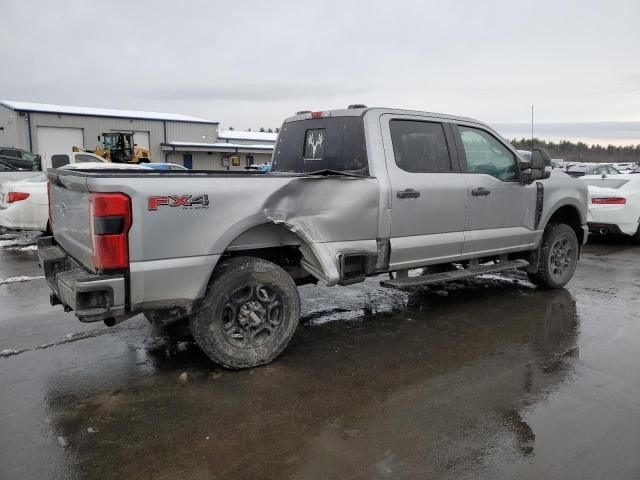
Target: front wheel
(558,257)
(252,311)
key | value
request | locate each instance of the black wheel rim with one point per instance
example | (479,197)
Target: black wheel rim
(252,315)
(561,257)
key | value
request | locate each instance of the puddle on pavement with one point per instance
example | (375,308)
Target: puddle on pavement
(344,397)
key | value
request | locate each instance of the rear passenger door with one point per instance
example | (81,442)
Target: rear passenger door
(428,192)
(501,209)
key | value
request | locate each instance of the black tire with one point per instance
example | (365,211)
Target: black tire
(558,257)
(252,311)
(635,239)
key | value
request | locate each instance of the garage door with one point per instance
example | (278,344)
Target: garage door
(141,139)
(52,140)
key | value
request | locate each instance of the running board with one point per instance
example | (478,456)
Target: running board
(409,282)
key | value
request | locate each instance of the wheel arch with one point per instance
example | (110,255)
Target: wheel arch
(283,245)
(570,215)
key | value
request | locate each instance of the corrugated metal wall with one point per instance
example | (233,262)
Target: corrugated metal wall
(192,132)
(94,126)
(14,129)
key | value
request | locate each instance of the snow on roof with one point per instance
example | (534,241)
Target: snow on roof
(220,145)
(99,112)
(245,135)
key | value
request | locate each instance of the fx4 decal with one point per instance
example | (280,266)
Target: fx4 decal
(184,201)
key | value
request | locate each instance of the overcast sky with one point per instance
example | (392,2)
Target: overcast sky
(252,63)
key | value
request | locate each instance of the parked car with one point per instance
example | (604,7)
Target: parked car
(582,169)
(70,158)
(614,205)
(19,158)
(24,204)
(352,193)
(261,167)
(625,167)
(164,166)
(7,167)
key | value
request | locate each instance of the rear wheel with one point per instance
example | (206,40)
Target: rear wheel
(558,257)
(253,310)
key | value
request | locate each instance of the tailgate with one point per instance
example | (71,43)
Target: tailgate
(70,216)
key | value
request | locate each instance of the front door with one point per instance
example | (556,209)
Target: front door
(428,192)
(501,208)
(187,161)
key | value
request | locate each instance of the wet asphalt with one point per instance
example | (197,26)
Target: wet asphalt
(488,379)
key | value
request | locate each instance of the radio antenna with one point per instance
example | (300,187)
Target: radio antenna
(532,128)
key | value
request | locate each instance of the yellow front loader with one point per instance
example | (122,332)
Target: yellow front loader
(118,147)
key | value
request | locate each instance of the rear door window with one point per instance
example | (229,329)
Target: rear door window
(333,143)
(420,147)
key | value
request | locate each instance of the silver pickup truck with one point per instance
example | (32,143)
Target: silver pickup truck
(352,193)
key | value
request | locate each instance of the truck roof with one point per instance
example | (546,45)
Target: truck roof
(359,112)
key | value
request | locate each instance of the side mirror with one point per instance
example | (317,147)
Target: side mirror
(536,168)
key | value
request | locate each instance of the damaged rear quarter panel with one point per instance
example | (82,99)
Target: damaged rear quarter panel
(330,214)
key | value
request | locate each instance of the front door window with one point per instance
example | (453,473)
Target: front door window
(485,154)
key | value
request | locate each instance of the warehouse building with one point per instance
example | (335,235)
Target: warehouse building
(182,139)
(231,149)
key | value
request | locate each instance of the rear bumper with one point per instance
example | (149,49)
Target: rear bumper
(92,297)
(604,229)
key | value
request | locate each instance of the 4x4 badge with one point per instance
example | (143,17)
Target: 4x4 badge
(177,201)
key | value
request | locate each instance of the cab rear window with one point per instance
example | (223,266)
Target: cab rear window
(334,143)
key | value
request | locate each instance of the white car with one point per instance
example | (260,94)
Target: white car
(24,205)
(625,167)
(59,160)
(614,205)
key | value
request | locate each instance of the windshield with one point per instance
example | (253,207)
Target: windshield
(334,143)
(109,140)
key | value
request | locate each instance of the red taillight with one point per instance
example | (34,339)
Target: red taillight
(316,114)
(609,201)
(110,223)
(16,196)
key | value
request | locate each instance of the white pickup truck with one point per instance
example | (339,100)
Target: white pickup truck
(352,193)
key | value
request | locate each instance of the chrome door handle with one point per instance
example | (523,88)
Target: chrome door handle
(408,193)
(479,192)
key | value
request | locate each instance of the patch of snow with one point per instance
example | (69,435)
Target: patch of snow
(18,239)
(28,248)
(246,135)
(10,351)
(22,278)
(220,145)
(100,112)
